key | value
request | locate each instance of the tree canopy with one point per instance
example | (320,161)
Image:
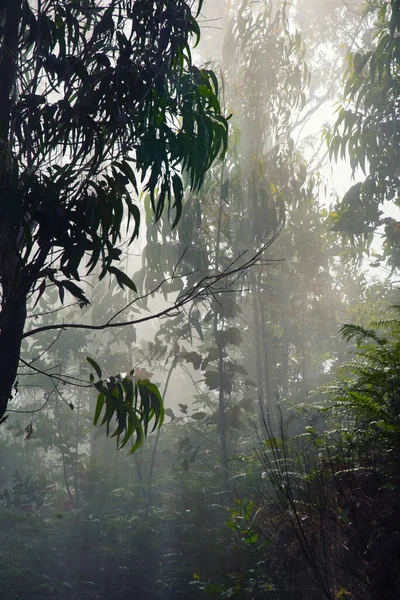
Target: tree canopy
(275,473)
(367,131)
(96,101)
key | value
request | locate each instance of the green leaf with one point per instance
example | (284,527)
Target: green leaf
(134,404)
(178,195)
(122,278)
(194,320)
(199,416)
(212,380)
(73,289)
(194,358)
(230,336)
(170,413)
(99,406)
(95,366)
(156,402)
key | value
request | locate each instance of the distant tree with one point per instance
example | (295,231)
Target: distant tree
(367,132)
(243,205)
(93,96)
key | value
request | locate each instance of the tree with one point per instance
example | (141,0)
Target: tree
(367,131)
(242,199)
(92,98)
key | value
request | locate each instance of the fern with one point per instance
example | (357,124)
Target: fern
(391,325)
(350,331)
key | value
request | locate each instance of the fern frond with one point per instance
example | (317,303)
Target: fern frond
(350,331)
(391,325)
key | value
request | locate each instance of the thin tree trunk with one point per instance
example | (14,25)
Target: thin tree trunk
(258,349)
(221,405)
(285,362)
(221,363)
(154,452)
(268,387)
(304,359)
(76,486)
(65,474)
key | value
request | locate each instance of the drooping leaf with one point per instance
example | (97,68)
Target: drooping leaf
(198,416)
(134,404)
(73,289)
(95,366)
(122,278)
(212,380)
(170,413)
(194,358)
(230,336)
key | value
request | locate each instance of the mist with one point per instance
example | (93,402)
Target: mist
(206,401)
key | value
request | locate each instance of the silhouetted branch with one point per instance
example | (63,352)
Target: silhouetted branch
(207,286)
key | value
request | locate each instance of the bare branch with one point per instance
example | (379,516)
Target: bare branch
(202,289)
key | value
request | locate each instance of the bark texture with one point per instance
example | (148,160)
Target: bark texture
(14,284)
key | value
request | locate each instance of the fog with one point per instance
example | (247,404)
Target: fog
(235,316)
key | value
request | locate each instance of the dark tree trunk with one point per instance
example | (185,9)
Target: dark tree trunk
(9,16)
(12,315)
(12,326)
(16,283)
(13,296)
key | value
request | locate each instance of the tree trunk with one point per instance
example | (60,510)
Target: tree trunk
(13,296)
(285,361)
(268,386)
(221,404)
(221,361)
(12,316)
(9,16)
(164,394)
(258,349)
(12,326)
(16,284)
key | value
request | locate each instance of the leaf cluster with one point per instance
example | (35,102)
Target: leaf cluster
(367,131)
(131,401)
(107,99)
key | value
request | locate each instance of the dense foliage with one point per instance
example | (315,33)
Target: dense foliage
(92,98)
(367,131)
(275,472)
(326,523)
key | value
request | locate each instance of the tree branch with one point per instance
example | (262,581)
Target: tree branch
(204,288)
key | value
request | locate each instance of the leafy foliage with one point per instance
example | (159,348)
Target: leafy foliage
(96,102)
(127,94)
(370,387)
(366,131)
(313,514)
(328,513)
(134,402)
